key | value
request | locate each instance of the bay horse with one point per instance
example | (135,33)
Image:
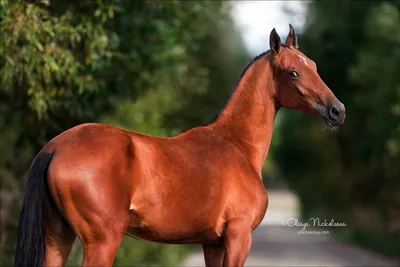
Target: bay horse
(98,182)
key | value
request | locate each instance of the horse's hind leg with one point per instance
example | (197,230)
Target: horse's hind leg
(59,239)
(101,236)
(101,246)
(214,254)
(101,253)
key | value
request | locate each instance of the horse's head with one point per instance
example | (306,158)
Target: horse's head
(298,85)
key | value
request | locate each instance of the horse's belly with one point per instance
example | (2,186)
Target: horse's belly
(203,237)
(175,231)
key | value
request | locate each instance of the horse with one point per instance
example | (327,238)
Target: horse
(204,186)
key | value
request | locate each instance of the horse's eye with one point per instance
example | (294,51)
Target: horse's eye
(293,74)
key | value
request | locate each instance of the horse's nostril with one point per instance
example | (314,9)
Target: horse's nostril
(334,112)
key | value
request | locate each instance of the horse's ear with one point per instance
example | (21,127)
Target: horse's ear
(292,38)
(274,41)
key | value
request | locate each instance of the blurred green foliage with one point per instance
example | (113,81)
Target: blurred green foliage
(352,173)
(157,67)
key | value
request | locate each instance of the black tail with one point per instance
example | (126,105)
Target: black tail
(30,250)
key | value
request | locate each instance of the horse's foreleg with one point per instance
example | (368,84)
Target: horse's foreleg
(214,254)
(238,238)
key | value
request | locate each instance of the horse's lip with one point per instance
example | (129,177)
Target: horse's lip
(320,108)
(327,122)
(321,111)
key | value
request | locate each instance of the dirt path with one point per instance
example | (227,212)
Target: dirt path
(275,244)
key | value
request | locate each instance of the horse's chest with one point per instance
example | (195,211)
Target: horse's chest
(248,205)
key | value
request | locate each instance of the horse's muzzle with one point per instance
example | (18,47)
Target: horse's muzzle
(334,114)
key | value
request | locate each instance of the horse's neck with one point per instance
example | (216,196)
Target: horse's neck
(248,119)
